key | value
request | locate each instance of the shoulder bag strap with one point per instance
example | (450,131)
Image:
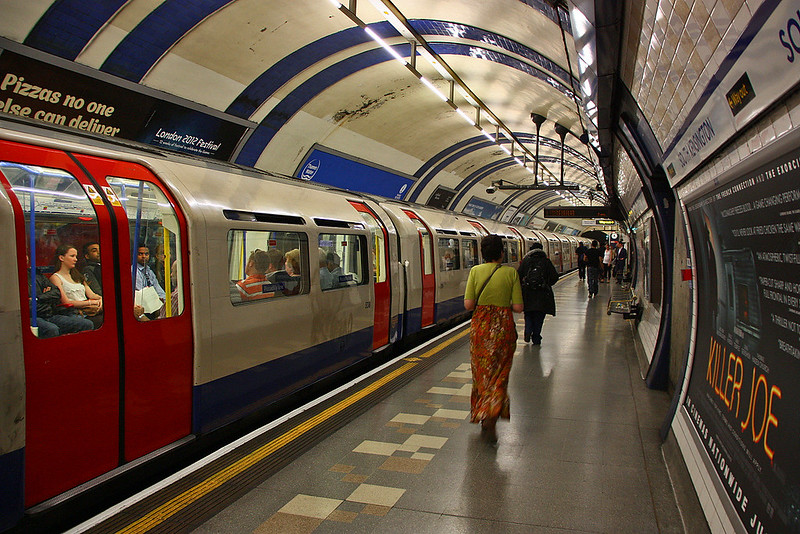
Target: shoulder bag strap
(478,296)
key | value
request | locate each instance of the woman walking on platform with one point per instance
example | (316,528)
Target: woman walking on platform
(493,291)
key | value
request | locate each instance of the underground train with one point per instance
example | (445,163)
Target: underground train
(211,335)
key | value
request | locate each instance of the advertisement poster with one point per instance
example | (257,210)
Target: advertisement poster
(46,93)
(338,171)
(744,393)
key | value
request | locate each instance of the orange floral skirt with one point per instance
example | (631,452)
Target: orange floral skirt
(492,341)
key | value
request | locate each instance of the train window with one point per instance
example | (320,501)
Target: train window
(513,251)
(345,261)
(470,253)
(266,265)
(449,255)
(156,265)
(60,222)
(381,261)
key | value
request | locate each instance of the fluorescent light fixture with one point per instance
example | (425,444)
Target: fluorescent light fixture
(465,117)
(336,4)
(385,46)
(504,149)
(433,88)
(519,162)
(435,63)
(487,135)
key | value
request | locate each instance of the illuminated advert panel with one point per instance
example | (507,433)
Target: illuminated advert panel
(743,397)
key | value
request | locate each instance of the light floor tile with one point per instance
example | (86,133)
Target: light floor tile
(422,456)
(466,389)
(410,418)
(451,414)
(377,447)
(310,506)
(464,367)
(461,374)
(380,495)
(421,440)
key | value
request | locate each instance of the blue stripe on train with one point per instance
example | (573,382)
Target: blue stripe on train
(449,308)
(230,398)
(12,488)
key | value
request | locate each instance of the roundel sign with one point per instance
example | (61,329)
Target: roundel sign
(310,170)
(614,236)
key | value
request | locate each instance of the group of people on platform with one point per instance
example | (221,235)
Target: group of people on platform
(597,265)
(71,299)
(494,293)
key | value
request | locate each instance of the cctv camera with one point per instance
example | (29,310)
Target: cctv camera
(491,190)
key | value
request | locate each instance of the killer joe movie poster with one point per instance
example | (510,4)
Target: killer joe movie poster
(744,394)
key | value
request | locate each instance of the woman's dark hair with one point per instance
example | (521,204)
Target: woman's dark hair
(62,250)
(492,247)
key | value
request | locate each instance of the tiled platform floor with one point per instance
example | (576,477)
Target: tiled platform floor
(581,452)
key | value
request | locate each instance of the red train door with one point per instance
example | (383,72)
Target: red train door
(158,351)
(382,287)
(72,381)
(428,277)
(97,396)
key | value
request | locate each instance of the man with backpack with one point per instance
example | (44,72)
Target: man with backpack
(537,274)
(594,264)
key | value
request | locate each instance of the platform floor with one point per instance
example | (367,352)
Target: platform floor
(581,452)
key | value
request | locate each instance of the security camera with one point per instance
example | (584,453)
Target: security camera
(491,190)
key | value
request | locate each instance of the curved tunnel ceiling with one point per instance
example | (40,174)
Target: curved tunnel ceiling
(308,75)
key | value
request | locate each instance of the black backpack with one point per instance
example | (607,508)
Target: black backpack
(535,277)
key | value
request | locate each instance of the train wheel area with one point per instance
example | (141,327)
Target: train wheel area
(396,452)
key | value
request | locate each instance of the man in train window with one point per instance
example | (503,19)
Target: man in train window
(91,271)
(146,278)
(252,287)
(333,260)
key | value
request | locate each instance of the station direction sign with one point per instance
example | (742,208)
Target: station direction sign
(579,212)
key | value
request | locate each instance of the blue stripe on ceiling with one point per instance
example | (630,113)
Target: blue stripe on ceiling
(154,35)
(477,176)
(68,25)
(300,96)
(292,65)
(437,163)
(471,33)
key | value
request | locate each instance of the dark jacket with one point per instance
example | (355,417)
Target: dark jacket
(92,274)
(538,299)
(580,251)
(48,297)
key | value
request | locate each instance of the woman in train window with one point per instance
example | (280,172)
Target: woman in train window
(75,291)
(493,291)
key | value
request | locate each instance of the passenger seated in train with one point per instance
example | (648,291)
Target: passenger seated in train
(49,318)
(75,292)
(91,269)
(254,285)
(146,278)
(325,280)
(289,279)
(332,261)
(276,261)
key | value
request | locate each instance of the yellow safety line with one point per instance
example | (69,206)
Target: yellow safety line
(178,503)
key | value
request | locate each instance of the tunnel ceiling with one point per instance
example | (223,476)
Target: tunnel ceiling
(308,74)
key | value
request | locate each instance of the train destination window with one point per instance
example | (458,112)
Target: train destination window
(470,253)
(155,239)
(60,228)
(449,255)
(266,265)
(342,261)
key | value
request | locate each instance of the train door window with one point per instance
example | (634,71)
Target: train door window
(345,261)
(513,250)
(263,264)
(378,244)
(470,253)
(155,239)
(60,221)
(449,255)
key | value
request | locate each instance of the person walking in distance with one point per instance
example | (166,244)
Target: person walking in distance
(593,265)
(537,276)
(580,251)
(619,261)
